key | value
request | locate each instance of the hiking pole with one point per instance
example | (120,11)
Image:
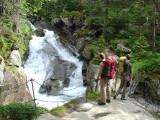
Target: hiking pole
(34,97)
(87,92)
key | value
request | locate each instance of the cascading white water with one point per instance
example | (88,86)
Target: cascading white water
(36,67)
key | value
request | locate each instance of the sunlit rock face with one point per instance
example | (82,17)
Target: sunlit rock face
(14,87)
(15,58)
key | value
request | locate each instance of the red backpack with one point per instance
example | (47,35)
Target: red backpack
(106,71)
(109,68)
(113,66)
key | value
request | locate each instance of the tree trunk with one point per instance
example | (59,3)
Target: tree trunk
(105,21)
(1,7)
(156,5)
(154,31)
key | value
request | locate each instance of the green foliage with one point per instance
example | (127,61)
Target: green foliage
(113,44)
(5,46)
(96,47)
(83,32)
(93,49)
(6,21)
(71,14)
(20,111)
(10,38)
(147,67)
(137,44)
(52,9)
(140,13)
(95,61)
(158,43)
(94,8)
(33,6)
(73,5)
(100,43)
(58,111)
(93,95)
(98,22)
(62,110)
(13,68)
(26,36)
(114,22)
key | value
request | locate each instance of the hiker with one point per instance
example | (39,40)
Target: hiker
(104,79)
(126,78)
(114,69)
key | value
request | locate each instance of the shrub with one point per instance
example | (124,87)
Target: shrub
(148,66)
(93,95)
(59,111)
(20,111)
(71,14)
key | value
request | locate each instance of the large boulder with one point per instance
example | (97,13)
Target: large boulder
(60,69)
(80,44)
(92,73)
(86,54)
(14,87)
(39,32)
(57,22)
(58,75)
(51,87)
(67,21)
(15,58)
(123,48)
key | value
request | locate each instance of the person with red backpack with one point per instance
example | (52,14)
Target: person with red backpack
(126,78)
(105,75)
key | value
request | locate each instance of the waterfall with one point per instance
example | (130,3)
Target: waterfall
(36,68)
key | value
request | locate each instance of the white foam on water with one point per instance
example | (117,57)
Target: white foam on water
(37,65)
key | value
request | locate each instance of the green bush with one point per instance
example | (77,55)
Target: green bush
(113,44)
(6,46)
(96,47)
(71,14)
(97,22)
(20,111)
(10,38)
(65,109)
(59,111)
(147,67)
(93,95)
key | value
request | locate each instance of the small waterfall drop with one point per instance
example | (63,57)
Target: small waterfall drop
(36,68)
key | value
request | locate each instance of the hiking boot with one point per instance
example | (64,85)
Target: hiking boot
(123,98)
(101,103)
(108,101)
(114,97)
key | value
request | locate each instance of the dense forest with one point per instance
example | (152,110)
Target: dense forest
(135,23)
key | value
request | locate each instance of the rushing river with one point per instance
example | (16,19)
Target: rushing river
(36,68)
